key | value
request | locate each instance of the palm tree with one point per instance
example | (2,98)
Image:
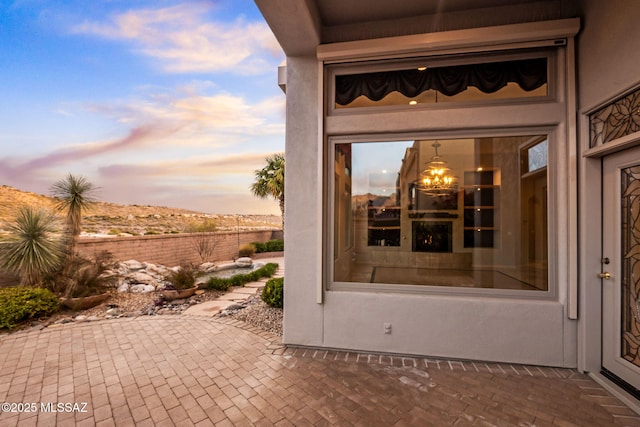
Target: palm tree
(33,253)
(270,181)
(74,195)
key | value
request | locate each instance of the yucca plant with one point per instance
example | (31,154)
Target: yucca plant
(74,194)
(33,252)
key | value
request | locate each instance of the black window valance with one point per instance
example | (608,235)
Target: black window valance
(529,74)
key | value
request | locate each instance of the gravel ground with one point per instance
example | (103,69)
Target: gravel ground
(258,314)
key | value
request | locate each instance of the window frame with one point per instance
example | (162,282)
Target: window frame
(553,221)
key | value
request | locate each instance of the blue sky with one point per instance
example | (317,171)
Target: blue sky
(159,102)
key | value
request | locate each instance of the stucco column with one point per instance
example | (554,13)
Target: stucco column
(303,315)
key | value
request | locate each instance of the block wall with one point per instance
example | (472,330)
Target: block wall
(174,249)
(167,249)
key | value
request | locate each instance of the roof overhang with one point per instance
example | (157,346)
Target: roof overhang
(300,26)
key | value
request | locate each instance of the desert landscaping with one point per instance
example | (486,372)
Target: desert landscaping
(142,286)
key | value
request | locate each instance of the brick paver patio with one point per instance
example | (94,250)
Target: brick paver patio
(185,370)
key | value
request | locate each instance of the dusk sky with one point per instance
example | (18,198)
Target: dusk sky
(156,102)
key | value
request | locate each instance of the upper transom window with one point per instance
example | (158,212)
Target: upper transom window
(430,84)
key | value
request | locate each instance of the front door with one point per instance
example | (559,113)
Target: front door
(621,268)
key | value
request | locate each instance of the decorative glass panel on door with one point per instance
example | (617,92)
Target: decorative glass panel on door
(630,256)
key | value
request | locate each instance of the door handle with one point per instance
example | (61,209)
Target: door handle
(606,275)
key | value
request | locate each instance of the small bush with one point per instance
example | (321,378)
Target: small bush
(273,292)
(247,250)
(239,279)
(260,247)
(184,277)
(218,283)
(275,245)
(224,283)
(268,270)
(84,277)
(21,304)
(207,225)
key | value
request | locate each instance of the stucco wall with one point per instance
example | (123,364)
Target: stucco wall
(512,329)
(608,54)
(608,47)
(303,222)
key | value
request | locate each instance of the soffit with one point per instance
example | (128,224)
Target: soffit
(340,12)
(301,25)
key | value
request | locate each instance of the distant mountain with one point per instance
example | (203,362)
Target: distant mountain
(113,219)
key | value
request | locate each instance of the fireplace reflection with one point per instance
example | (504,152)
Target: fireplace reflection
(432,236)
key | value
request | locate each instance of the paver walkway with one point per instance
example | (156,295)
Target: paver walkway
(196,370)
(186,370)
(235,294)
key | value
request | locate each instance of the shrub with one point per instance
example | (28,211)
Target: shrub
(260,247)
(275,245)
(239,279)
(273,292)
(207,225)
(20,304)
(224,283)
(268,270)
(205,244)
(247,250)
(84,277)
(218,283)
(184,277)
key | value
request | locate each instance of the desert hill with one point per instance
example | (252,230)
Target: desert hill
(112,219)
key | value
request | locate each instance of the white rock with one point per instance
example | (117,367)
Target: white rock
(156,270)
(109,273)
(141,289)
(81,318)
(113,312)
(132,264)
(140,277)
(225,266)
(244,262)
(123,288)
(207,267)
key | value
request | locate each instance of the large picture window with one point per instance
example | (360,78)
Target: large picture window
(468,212)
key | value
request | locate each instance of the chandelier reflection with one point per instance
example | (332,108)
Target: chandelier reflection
(437,178)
